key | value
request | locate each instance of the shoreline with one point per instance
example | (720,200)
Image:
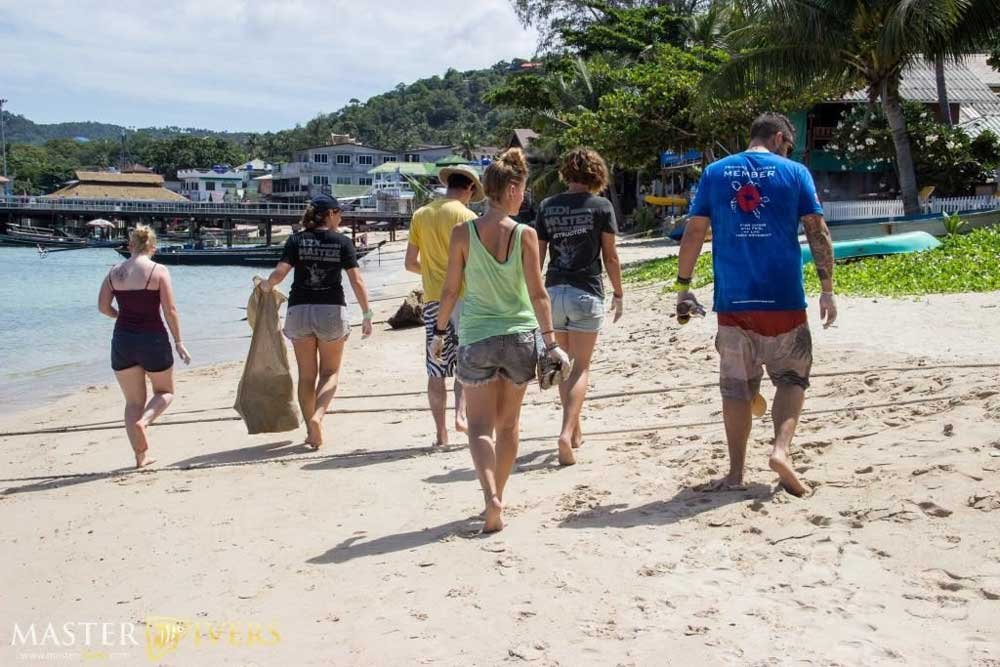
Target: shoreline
(367,552)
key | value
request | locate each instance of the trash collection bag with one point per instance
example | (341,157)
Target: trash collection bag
(265,398)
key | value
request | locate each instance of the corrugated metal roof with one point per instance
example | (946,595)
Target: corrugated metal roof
(920,85)
(976,127)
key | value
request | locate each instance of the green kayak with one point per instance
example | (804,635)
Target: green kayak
(895,244)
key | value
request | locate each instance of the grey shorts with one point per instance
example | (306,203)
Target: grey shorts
(512,356)
(743,354)
(575,310)
(324,322)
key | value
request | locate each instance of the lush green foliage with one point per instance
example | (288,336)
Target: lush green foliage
(21,130)
(42,169)
(963,263)
(943,156)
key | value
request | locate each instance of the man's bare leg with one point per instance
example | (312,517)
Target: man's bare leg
(786,410)
(437,397)
(736,414)
(461,420)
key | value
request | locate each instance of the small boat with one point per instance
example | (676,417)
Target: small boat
(20,235)
(260,255)
(896,244)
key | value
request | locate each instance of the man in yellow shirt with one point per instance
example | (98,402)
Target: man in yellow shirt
(427,254)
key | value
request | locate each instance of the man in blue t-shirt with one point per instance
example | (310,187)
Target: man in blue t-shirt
(754,202)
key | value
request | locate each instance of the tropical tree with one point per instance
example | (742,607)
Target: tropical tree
(467,145)
(868,42)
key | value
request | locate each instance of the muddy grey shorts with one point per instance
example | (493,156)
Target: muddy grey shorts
(512,356)
(325,322)
(575,310)
(743,354)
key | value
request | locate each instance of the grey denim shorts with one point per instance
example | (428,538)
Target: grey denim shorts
(325,322)
(575,310)
(513,356)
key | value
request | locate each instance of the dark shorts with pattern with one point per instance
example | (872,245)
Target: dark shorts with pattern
(511,356)
(744,352)
(449,355)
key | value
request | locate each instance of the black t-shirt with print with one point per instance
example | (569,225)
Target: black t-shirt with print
(319,256)
(572,224)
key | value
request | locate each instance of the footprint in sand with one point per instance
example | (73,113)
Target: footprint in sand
(933,509)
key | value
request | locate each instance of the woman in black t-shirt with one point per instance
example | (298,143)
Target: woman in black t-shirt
(578,229)
(316,321)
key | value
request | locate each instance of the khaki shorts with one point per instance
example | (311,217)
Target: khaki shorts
(743,354)
(324,322)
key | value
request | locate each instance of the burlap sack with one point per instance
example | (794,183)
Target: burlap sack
(410,313)
(265,398)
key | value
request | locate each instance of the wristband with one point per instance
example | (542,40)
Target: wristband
(682,281)
(553,346)
(368,314)
(682,286)
(440,332)
(826,294)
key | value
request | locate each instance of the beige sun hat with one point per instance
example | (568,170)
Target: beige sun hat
(478,194)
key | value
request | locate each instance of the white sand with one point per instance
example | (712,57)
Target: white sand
(367,551)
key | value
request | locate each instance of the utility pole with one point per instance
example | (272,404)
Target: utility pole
(3,145)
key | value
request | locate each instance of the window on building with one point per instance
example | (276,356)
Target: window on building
(343,180)
(210,185)
(413,157)
(390,158)
(321,157)
(365,180)
(366,159)
(343,158)
(321,180)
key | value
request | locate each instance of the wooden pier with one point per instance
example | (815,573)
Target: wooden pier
(60,213)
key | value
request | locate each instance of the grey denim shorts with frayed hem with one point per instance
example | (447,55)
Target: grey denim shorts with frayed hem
(322,321)
(511,356)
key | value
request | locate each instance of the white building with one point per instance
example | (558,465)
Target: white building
(218,184)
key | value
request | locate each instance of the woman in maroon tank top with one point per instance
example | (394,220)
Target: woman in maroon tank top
(140,346)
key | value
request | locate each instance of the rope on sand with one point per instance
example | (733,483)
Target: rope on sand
(102,426)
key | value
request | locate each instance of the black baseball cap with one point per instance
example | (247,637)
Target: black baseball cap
(323,203)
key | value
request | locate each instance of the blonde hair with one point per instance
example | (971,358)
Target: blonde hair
(142,239)
(586,167)
(509,168)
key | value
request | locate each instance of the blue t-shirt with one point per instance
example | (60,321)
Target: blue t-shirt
(754,200)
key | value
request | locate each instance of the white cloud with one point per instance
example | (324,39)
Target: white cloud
(241,64)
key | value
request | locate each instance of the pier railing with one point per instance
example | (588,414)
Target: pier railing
(176,209)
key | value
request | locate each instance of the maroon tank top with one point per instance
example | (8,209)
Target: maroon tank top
(138,309)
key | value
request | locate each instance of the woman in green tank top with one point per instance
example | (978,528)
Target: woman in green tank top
(504,304)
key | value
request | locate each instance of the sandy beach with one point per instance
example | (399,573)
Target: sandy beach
(368,553)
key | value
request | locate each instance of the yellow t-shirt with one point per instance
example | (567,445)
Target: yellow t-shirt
(430,232)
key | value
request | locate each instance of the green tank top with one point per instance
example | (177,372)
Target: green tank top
(496,300)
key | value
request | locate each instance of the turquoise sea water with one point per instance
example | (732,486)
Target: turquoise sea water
(54,342)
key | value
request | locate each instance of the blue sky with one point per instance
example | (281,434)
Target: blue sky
(236,64)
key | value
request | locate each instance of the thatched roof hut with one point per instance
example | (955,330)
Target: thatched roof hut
(109,185)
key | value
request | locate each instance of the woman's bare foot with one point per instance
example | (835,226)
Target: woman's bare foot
(566,455)
(461,424)
(141,445)
(577,437)
(782,464)
(314,434)
(493,516)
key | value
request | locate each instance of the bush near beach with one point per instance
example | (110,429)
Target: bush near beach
(962,263)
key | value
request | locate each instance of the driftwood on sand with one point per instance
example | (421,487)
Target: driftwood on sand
(410,313)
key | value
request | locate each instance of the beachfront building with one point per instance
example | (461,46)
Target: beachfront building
(339,168)
(218,184)
(255,172)
(973,104)
(113,185)
(346,167)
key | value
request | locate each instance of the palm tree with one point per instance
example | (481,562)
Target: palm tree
(865,42)
(467,145)
(975,32)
